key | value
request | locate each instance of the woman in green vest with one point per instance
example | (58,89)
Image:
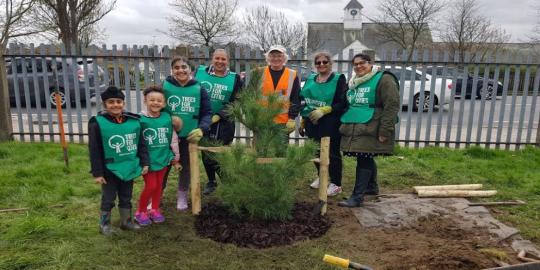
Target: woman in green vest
(187,99)
(323,96)
(222,86)
(368,124)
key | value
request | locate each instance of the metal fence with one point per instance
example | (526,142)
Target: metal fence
(492,103)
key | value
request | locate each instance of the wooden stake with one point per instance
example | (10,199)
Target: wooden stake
(195,181)
(455,193)
(323,172)
(450,187)
(516,202)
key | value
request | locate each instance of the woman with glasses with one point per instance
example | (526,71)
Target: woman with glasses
(368,124)
(323,96)
(187,99)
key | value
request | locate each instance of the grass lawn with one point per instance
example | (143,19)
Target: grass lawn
(59,231)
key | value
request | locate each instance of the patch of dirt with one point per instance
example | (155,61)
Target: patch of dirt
(431,242)
(215,222)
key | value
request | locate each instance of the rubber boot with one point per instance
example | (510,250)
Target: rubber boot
(373,186)
(181,202)
(105,223)
(210,187)
(126,220)
(360,186)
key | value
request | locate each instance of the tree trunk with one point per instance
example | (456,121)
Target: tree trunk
(6,129)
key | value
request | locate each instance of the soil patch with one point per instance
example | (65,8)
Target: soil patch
(217,223)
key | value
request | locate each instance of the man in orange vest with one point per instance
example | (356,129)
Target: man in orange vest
(280,80)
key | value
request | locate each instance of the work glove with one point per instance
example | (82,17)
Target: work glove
(195,135)
(215,118)
(316,114)
(177,123)
(302,128)
(290,126)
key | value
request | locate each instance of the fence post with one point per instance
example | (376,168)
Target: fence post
(6,128)
(538,133)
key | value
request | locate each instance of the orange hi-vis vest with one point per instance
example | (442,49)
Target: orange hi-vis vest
(283,90)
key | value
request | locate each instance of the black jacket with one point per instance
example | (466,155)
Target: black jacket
(95,145)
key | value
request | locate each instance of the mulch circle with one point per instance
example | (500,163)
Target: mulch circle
(217,223)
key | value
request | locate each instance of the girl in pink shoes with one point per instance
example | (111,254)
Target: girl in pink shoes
(159,133)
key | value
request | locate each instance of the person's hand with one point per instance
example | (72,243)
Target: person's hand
(316,114)
(290,126)
(144,170)
(382,139)
(177,123)
(100,180)
(302,128)
(215,118)
(195,135)
(177,166)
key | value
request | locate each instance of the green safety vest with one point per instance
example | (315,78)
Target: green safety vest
(157,133)
(120,147)
(318,94)
(185,103)
(361,101)
(219,89)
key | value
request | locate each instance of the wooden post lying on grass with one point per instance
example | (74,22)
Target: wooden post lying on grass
(195,182)
(449,187)
(516,202)
(422,193)
(323,172)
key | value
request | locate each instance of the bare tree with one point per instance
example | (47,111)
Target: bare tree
(405,22)
(15,20)
(203,22)
(69,18)
(535,35)
(265,27)
(466,30)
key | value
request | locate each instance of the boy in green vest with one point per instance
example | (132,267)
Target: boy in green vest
(118,154)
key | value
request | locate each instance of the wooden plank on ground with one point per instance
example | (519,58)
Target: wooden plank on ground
(455,193)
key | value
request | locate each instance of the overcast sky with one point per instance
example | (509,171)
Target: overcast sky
(137,21)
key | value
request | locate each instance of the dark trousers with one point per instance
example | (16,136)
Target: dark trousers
(335,168)
(115,186)
(184,176)
(367,163)
(211,166)
(221,133)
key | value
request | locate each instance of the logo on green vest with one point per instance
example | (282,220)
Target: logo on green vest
(215,90)
(358,96)
(314,102)
(186,103)
(118,142)
(150,135)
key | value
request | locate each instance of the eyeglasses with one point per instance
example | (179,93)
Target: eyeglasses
(318,63)
(361,63)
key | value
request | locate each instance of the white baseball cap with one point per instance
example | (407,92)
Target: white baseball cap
(278,48)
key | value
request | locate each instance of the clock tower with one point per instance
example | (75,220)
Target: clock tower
(352,18)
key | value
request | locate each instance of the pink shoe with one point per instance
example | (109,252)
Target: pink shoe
(142,218)
(156,216)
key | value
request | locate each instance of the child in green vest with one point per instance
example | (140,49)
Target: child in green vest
(117,156)
(162,142)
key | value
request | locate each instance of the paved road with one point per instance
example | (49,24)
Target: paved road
(471,120)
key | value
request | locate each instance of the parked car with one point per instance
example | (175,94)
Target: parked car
(20,72)
(492,86)
(408,75)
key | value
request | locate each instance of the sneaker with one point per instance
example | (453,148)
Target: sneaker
(181,203)
(333,190)
(156,216)
(315,183)
(142,218)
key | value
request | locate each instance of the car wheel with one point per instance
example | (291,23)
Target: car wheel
(487,93)
(426,104)
(52,98)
